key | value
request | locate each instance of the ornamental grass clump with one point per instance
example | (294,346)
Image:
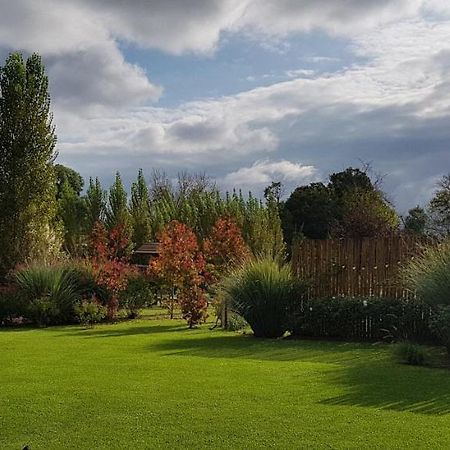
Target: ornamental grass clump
(429,276)
(52,292)
(262,292)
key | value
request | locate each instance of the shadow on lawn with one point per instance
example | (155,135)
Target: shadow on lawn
(248,347)
(391,386)
(110,331)
(365,372)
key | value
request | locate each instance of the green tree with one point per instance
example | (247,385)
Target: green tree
(74,179)
(416,221)
(439,208)
(27,151)
(95,204)
(117,213)
(72,213)
(140,211)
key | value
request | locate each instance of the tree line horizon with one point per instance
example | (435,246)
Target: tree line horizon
(44,210)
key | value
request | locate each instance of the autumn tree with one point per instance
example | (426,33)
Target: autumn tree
(27,151)
(180,267)
(110,263)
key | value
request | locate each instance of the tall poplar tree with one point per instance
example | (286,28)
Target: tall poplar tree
(27,151)
(117,213)
(95,202)
(140,211)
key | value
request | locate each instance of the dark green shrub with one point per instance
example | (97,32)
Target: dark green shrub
(262,292)
(371,318)
(89,312)
(44,311)
(440,325)
(138,294)
(12,306)
(412,354)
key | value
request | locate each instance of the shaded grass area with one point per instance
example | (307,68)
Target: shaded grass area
(156,384)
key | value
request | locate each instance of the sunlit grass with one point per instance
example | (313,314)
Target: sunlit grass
(156,384)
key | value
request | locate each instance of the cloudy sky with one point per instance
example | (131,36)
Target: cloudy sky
(249,91)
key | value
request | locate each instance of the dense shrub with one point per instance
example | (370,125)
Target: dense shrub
(262,292)
(12,305)
(440,325)
(89,312)
(371,318)
(236,322)
(410,353)
(429,274)
(138,294)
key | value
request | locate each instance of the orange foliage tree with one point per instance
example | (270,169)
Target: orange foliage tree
(224,249)
(180,267)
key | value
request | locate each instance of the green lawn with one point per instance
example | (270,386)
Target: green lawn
(156,384)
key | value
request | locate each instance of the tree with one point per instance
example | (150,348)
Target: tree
(224,248)
(180,267)
(416,221)
(310,211)
(27,152)
(364,213)
(74,179)
(95,202)
(117,209)
(140,211)
(439,208)
(72,213)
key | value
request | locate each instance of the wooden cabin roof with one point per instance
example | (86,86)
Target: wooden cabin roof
(151,248)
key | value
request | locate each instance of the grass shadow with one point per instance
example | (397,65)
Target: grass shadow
(388,385)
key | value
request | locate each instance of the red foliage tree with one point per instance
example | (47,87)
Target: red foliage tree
(224,248)
(110,262)
(180,266)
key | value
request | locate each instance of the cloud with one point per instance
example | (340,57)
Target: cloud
(262,173)
(392,107)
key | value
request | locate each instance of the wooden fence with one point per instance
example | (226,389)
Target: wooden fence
(355,267)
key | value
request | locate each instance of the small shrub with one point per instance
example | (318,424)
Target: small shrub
(236,322)
(412,354)
(44,311)
(138,294)
(440,325)
(262,292)
(89,312)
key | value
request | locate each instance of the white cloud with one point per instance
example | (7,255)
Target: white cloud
(262,173)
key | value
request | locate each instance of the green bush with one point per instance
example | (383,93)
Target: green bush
(262,292)
(440,325)
(44,311)
(138,294)
(412,354)
(89,312)
(429,274)
(236,322)
(371,318)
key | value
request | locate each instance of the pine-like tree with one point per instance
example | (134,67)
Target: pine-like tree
(140,211)
(117,213)
(27,151)
(95,203)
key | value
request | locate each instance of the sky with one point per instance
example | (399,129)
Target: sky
(248,91)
